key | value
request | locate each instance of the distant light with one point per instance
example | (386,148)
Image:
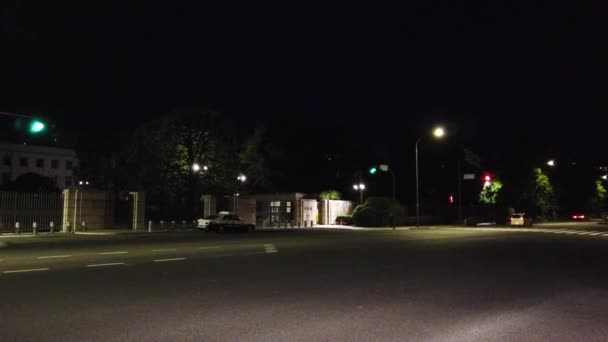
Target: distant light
(196,167)
(551,162)
(87,183)
(241,178)
(362,186)
(439,132)
(605,177)
(205,168)
(451,199)
(359,186)
(373,170)
(81,182)
(487,178)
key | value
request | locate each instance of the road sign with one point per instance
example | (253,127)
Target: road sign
(383,167)
(469,176)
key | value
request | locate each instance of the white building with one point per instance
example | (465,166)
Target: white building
(56,163)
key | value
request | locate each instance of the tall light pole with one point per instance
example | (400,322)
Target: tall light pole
(241,178)
(360,187)
(438,132)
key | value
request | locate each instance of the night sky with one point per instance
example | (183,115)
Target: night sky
(510,81)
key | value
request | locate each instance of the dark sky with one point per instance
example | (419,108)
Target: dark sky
(528,79)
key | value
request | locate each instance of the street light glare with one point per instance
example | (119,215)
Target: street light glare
(439,132)
(36,126)
(196,167)
(605,177)
(362,186)
(356,187)
(551,162)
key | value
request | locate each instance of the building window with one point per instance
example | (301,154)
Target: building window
(6,160)
(288,209)
(6,178)
(69,165)
(23,161)
(54,164)
(40,163)
(275,206)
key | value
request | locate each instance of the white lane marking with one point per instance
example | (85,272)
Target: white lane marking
(109,264)
(269,248)
(595,233)
(209,247)
(605,234)
(172,259)
(164,250)
(53,256)
(29,270)
(112,253)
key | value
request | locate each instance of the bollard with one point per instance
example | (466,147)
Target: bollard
(35,228)
(149,226)
(311,223)
(17,228)
(305,223)
(84,226)
(52,226)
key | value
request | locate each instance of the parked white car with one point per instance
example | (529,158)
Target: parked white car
(203,223)
(520,219)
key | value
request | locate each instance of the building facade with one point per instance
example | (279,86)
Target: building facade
(56,163)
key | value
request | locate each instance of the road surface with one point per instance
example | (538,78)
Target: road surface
(444,284)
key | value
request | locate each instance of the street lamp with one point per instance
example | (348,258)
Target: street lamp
(242,178)
(551,162)
(196,167)
(438,132)
(605,177)
(360,187)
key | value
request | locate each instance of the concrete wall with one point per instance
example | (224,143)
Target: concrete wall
(86,205)
(330,209)
(96,209)
(307,212)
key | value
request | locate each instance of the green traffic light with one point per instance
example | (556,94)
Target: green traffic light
(373,170)
(36,126)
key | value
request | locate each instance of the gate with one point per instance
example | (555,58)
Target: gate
(27,208)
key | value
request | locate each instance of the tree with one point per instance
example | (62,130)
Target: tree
(600,198)
(330,195)
(32,182)
(542,192)
(259,157)
(489,193)
(163,152)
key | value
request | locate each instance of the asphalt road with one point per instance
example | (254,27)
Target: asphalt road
(444,284)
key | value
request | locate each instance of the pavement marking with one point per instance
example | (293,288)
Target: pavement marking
(109,264)
(112,253)
(164,250)
(28,270)
(53,256)
(172,259)
(209,247)
(595,233)
(269,248)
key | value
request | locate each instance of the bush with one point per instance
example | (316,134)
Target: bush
(345,219)
(330,195)
(377,211)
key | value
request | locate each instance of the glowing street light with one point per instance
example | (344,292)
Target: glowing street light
(438,132)
(360,187)
(605,177)
(242,178)
(551,162)
(196,167)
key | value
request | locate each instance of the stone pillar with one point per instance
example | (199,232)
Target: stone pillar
(85,205)
(139,210)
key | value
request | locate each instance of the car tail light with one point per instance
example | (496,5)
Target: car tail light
(574,216)
(582,216)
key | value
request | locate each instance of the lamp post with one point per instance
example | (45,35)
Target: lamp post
(360,187)
(438,132)
(241,178)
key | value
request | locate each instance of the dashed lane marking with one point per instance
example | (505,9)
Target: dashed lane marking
(108,264)
(27,270)
(171,259)
(53,256)
(164,250)
(112,253)
(270,248)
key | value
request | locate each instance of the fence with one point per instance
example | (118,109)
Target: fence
(29,208)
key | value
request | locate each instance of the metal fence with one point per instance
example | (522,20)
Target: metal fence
(20,212)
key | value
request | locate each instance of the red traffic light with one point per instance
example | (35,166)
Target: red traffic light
(451,199)
(487,178)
